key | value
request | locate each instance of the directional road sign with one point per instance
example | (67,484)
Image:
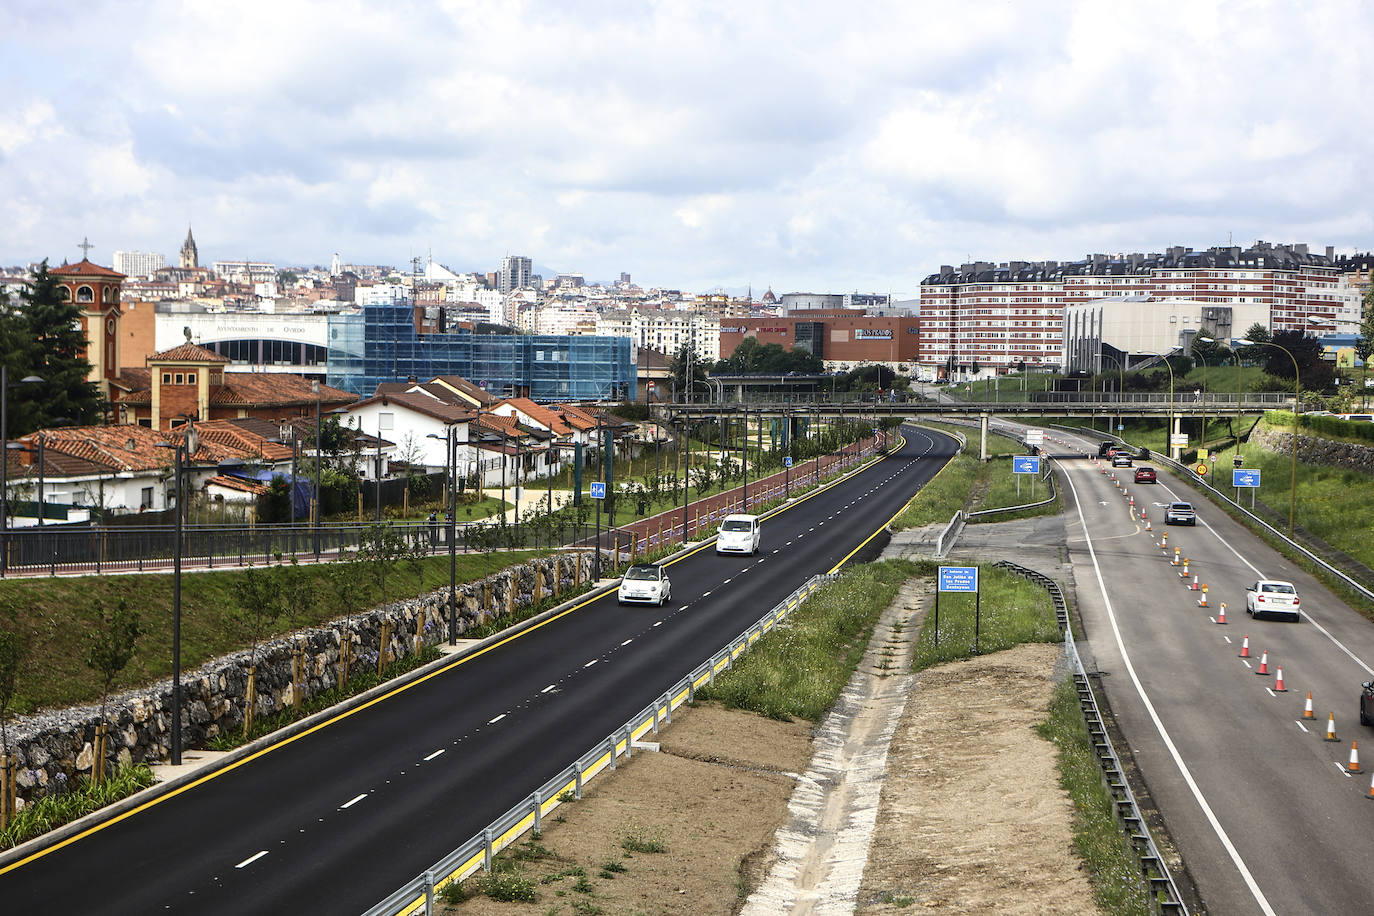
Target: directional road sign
(598,491)
(1245,477)
(1025,464)
(787,461)
(958,579)
(1035,437)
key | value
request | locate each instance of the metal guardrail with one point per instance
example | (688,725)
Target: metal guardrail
(528,814)
(1164,897)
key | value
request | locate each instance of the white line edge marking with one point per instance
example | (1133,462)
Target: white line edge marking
(251,859)
(497,719)
(590,663)
(435,754)
(1187,774)
(1301,726)
(1344,772)
(351,802)
(548,688)
(627,642)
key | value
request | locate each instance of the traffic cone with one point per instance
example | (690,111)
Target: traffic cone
(1245,647)
(1307,710)
(1371,787)
(1221,614)
(1193,587)
(1185,568)
(1278,681)
(1331,728)
(1264,663)
(1354,766)
(1147,524)
(1176,553)
(1202,602)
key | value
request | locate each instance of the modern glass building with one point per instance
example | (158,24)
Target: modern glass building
(382,345)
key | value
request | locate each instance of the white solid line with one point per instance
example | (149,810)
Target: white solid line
(353,801)
(547,689)
(627,642)
(251,859)
(497,719)
(435,754)
(1186,773)
(1300,725)
(1340,766)
(590,663)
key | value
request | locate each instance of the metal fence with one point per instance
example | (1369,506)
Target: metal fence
(528,814)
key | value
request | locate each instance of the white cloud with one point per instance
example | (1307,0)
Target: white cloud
(695,144)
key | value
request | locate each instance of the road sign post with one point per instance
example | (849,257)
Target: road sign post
(1025,464)
(1248,478)
(598,494)
(959,579)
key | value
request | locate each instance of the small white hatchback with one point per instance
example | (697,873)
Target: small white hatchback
(738,534)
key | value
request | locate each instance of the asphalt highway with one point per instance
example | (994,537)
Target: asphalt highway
(336,819)
(1264,811)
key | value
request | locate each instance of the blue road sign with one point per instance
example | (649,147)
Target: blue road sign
(787,461)
(1245,477)
(1025,464)
(598,491)
(958,579)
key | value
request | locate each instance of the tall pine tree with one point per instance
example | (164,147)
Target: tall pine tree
(43,338)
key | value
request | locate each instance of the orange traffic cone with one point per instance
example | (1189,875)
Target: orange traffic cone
(1202,602)
(1193,587)
(1307,710)
(1245,647)
(1176,553)
(1147,525)
(1354,766)
(1371,787)
(1264,663)
(1221,614)
(1331,728)
(1278,681)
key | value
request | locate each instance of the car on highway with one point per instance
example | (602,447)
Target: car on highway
(738,534)
(1180,513)
(1105,449)
(1122,459)
(1146,474)
(1367,703)
(1272,597)
(645,583)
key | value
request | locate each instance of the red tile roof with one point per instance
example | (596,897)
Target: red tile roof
(237,483)
(84,268)
(187,353)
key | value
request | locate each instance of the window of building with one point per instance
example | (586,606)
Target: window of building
(85,294)
(146,499)
(190,378)
(386,420)
(180,379)
(166,378)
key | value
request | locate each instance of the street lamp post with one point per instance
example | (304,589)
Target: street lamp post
(1297,409)
(1120,383)
(315,497)
(181,451)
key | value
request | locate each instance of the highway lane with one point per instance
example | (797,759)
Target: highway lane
(1261,808)
(339,817)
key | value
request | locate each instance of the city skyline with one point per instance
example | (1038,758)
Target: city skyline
(694,146)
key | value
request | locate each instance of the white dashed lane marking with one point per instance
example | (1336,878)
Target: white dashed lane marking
(433,755)
(548,688)
(251,859)
(348,804)
(592,662)
(627,642)
(497,719)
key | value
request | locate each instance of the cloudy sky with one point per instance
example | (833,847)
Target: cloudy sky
(798,145)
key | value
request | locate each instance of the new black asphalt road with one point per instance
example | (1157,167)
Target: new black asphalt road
(338,818)
(1263,810)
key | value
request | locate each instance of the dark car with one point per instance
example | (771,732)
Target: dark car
(1367,704)
(1146,474)
(1180,513)
(1105,449)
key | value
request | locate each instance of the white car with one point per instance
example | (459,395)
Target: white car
(1271,596)
(738,534)
(645,584)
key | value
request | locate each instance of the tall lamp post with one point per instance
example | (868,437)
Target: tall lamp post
(1297,409)
(315,497)
(5,463)
(182,449)
(1120,382)
(451,534)
(1168,433)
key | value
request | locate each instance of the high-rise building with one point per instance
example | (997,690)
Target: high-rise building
(190,256)
(138,263)
(516,273)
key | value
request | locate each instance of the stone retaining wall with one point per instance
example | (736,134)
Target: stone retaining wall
(1315,450)
(53,747)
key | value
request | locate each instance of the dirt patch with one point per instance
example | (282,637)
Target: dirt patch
(972,817)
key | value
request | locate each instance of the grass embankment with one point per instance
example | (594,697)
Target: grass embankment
(1015,611)
(970,484)
(799,669)
(55,617)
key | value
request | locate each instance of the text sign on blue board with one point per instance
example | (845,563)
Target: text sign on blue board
(787,461)
(598,491)
(1025,464)
(958,578)
(1245,477)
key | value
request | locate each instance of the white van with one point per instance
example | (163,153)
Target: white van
(738,534)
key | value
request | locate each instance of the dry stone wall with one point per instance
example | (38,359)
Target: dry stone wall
(54,747)
(1315,450)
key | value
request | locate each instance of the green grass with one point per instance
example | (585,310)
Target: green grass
(1012,611)
(61,807)
(55,616)
(1112,866)
(799,669)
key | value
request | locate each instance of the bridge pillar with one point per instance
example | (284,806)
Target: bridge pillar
(982,437)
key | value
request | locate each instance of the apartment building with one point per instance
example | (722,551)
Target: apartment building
(664,330)
(138,263)
(1000,316)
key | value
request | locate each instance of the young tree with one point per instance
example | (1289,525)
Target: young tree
(381,547)
(110,649)
(58,357)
